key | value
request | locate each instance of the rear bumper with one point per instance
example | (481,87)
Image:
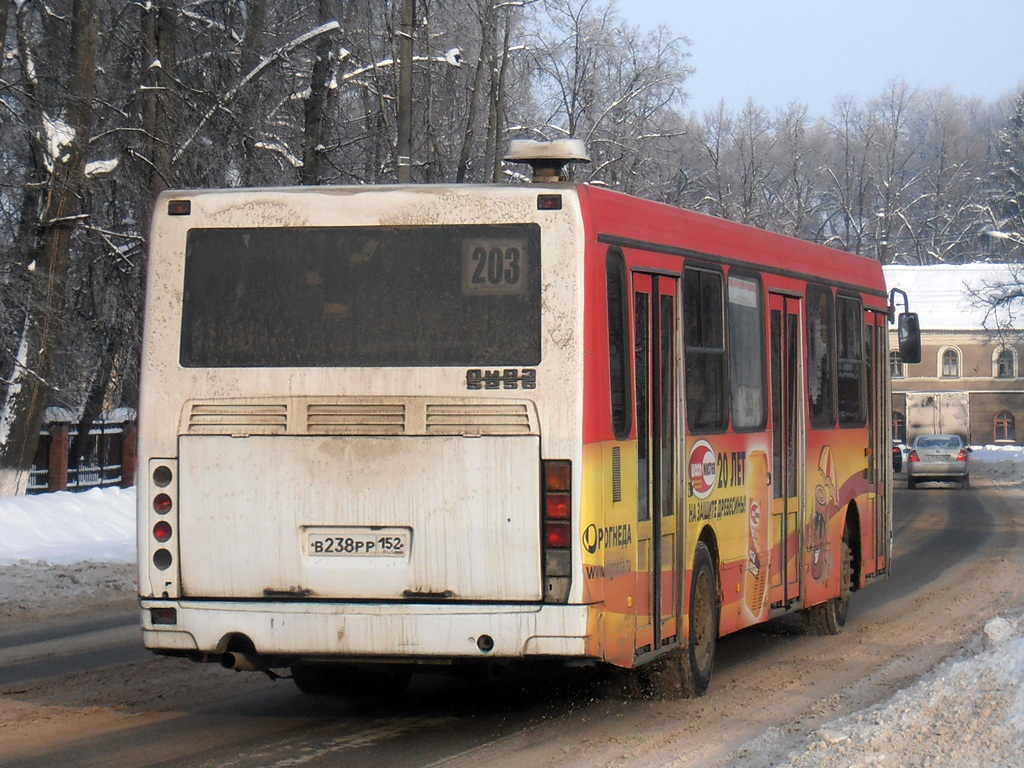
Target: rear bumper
(379,632)
(920,470)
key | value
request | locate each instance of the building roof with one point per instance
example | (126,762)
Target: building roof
(941,294)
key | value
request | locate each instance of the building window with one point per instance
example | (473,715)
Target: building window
(1004,427)
(1004,363)
(950,364)
(896,369)
(899,427)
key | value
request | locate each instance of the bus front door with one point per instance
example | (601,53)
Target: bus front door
(654,329)
(787,449)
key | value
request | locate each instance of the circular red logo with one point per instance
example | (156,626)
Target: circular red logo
(703,465)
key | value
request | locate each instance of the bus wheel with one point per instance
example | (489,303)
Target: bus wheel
(683,672)
(829,618)
(341,680)
(697,661)
(316,679)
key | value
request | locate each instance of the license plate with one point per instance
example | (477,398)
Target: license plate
(358,542)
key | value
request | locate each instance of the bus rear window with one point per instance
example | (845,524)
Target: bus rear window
(362,297)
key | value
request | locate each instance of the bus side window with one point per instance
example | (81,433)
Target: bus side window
(746,353)
(704,328)
(851,379)
(618,341)
(820,354)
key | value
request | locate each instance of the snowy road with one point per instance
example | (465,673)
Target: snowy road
(778,698)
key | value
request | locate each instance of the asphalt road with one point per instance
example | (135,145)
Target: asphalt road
(114,705)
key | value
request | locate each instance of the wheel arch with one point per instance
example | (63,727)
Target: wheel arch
(852,524)
(710,540)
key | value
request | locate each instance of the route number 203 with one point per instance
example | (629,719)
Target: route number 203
(494,266)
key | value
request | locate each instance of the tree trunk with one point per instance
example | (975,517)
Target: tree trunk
(482,65)
(315,105)
(29,392)
(159,25)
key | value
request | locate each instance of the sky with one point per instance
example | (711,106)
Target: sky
(813,51)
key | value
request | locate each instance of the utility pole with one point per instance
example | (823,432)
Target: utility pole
(405,92)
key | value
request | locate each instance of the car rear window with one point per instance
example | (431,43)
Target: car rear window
(938,442)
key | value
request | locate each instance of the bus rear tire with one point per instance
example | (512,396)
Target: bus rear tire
(683,672)
(697,660)
(829,618)
(326,679)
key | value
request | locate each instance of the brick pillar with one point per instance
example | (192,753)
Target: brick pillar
(129,446)
(59,447)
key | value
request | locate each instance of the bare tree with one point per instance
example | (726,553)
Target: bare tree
(66,125)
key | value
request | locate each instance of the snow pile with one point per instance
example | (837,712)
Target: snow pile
(1001,463)
(62,528)
(967,712)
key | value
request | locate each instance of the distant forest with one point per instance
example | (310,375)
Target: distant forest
(105,103)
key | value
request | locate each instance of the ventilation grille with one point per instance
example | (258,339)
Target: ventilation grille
(477,419)
(616,473)
(355,419)
(250,419)
(309,417)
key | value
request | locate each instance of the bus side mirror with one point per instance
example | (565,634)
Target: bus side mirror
(909,332)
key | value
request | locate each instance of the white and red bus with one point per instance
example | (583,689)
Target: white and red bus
(394,428)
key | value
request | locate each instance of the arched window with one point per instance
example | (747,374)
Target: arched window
(950,364)
(899,426)
(1004,427)
(1004,363)
(896,369)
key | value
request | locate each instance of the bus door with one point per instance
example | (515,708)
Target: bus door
(880,459)
(787,448)
(654,332)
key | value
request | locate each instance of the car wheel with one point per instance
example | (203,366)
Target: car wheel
(965,483)
(911,483)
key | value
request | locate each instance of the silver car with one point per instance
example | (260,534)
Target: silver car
(938,457)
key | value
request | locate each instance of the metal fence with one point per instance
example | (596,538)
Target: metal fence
(108,458)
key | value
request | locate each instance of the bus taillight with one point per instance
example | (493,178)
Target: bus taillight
(557,535)
(557,529)
(162,531)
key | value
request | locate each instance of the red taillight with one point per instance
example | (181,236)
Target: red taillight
(558,506)
(962,456)
(162,504)
(162,531)
(556,509)
(913,456)
(557,535)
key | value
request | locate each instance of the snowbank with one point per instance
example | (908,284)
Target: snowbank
(62,528)
(967,712)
